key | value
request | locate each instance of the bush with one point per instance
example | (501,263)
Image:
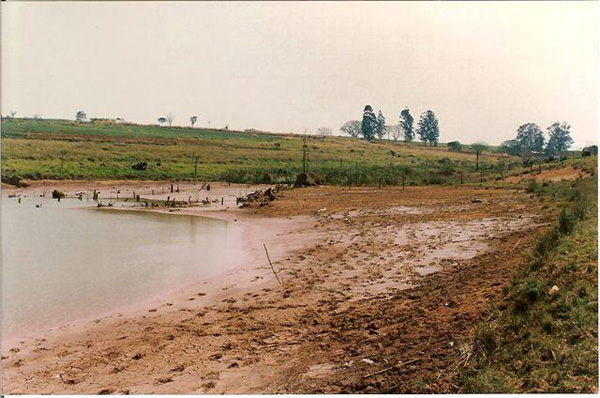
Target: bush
(304,180)
(455,146)
(140,166)
(566,222)
(532,186)
(533,289)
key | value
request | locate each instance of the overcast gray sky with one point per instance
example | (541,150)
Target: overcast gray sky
(484,68)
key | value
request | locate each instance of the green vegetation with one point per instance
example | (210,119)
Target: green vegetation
(543,337)
(60,149)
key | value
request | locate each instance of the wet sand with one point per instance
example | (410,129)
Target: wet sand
(372,279)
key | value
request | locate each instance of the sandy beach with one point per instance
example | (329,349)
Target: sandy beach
(373,279)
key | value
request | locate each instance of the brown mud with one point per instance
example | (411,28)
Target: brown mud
(381,290)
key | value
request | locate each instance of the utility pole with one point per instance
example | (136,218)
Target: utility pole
(62,159)
(195,166)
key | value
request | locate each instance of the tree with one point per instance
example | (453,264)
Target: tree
(369,123)
(428,129)
(161,120)
(352,128)
(80,116)
(396,131)
(381,128)
(512,147)
(454,146)
(406,122)
(559,138)
(170,118)
(479,147)
(531,138)
(193,120)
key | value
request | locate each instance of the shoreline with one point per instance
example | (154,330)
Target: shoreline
(358,266)
(250,262)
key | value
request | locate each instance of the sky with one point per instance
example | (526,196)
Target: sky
(484,68)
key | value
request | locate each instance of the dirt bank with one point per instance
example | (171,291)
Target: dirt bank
(380,290)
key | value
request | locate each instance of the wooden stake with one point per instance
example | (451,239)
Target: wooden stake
(271,264)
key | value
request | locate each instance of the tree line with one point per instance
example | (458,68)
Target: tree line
(371,127)
(530,141)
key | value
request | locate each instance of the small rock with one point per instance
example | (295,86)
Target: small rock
(209,385)
(215,357)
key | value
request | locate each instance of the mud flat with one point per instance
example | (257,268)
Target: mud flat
(380,291)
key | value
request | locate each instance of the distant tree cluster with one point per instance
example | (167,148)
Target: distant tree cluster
(372,127)
(530,141)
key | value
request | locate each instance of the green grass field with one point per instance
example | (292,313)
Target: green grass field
(61,149)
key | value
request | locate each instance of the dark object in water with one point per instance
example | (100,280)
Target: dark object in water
(56,194)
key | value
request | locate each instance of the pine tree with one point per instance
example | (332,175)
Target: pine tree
(428,129)
(406,122)
(369,123)
(381,128)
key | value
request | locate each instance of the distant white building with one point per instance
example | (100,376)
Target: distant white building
(324,131)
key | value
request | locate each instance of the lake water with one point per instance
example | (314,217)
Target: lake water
(67,260)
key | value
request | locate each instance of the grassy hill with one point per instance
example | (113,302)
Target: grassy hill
(543,335)
(62,149)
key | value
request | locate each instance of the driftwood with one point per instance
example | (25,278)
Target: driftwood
(271,264)
(515,246)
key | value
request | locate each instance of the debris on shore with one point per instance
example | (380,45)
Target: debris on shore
(305,180)
(260,198)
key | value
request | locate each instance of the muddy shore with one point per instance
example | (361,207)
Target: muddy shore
(381,288)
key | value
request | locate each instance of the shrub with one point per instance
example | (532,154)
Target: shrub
(140,166)
(566,222)
(532,186)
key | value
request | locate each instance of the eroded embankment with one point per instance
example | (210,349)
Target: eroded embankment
(379,298)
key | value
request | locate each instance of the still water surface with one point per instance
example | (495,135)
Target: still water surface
(67,260)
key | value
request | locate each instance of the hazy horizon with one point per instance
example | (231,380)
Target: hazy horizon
(484,68)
